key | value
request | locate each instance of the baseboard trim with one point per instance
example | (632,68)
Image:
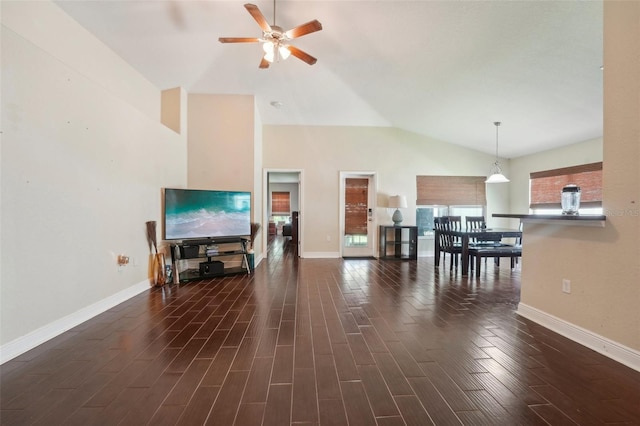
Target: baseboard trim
(600,344)
(22,344)
(321,255)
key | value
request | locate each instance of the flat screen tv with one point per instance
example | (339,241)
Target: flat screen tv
(195,214)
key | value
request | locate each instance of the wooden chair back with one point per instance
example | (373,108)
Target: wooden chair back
(475,222)
(455,222)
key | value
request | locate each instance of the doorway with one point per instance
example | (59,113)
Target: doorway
(357,214)
(284,187)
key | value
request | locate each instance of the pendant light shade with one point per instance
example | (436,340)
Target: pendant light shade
(496,175)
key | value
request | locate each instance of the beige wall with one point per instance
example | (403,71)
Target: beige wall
(83,159)
(603,264)
(221,142)
(397,157)
(225,146)
(173,113)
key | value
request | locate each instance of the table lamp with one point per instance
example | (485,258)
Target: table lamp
(397,202)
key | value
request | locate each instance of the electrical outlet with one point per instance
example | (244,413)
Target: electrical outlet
(566,286)
(123,260)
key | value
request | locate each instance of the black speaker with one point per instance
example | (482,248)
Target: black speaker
(189,252)
(211,269)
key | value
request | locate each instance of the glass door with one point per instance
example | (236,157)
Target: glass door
(357,214)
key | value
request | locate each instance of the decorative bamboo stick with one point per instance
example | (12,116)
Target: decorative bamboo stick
(151,236)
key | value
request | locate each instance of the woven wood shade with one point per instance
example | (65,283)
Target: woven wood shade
(280,202)
(355,206)
(546,186)
(451,190)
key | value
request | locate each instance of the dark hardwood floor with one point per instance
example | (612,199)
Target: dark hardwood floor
(320,342)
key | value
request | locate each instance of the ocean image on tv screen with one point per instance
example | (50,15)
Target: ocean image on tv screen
(191,213)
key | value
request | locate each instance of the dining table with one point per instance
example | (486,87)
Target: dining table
(472,234)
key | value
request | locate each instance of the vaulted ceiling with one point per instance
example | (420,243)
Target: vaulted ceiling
(445,69)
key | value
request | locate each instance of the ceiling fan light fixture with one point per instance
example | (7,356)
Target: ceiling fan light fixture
(268,47)
(269,51)
(283,51)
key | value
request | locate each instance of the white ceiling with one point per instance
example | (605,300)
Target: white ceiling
(445,69)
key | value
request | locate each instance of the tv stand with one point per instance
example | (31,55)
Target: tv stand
(214,257)
(220,240)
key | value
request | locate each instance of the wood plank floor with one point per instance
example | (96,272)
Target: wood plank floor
(320,342)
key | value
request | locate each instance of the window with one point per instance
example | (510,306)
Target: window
(280,203)
(439,196)
(356,201)
(546,187)
(425,215)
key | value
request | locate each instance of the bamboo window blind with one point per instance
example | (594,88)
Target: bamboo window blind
(451,190)
(280,202)
(356,199)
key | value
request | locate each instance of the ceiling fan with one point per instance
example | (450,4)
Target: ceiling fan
(275,40)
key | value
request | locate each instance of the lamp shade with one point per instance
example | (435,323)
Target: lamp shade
(496,175)
(497,178)
(398,202)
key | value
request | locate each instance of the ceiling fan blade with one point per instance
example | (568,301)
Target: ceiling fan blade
(258,16)
(264,64)
(304,56)
(304,29)
(238,40)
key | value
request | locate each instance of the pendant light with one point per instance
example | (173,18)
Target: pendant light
(496,172)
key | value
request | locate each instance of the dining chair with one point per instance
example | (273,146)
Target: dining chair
(475,222)
(478,222)
(447,242)
(518,242)
(455,222)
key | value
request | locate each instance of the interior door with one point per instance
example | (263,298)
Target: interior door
(357,214)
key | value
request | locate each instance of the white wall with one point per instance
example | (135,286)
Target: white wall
(83,160)
(397,156)
(258,213)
